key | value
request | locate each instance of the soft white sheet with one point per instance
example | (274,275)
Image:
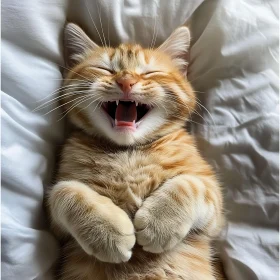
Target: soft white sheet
(30,54)
(234,69)
(234,66)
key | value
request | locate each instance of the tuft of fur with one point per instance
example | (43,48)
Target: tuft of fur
(139,205)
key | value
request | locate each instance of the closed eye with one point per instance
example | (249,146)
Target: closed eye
(154,72)
(105,69)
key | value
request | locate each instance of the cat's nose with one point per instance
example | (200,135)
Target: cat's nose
(126,84)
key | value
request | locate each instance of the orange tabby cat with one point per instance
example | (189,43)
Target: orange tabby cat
(134,199)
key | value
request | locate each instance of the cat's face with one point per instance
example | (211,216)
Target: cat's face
(127,94)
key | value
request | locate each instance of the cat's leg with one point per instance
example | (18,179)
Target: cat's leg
(100,227)
(184,202)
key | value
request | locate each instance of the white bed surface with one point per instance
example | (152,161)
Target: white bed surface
(234,68)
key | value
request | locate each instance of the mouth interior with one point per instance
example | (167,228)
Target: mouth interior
(126,113)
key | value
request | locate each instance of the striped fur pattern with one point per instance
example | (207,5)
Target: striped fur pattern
(132,205)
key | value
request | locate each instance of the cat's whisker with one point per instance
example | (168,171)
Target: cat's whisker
(65,87)
(87,98)
(97,96)
(108,31)
(103,43)
(184,105)
(196,113)
(206,111)
(200,105)
(58,98)
(97,106)
(77,98)
(62,79)
(61,89)
(184,120)
(91,103)
(55,96)
(190,120)
(174,102)
(152,42)
(156,34)
(81,100)
(99,14)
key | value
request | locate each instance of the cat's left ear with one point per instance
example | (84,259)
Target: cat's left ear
(177,46)
(76,44)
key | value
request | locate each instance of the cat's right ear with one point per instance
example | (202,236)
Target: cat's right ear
(76,44)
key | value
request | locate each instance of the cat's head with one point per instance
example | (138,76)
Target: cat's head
(128,94)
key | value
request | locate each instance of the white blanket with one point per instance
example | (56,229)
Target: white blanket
(233,67)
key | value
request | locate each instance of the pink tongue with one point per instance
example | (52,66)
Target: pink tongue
(126,112)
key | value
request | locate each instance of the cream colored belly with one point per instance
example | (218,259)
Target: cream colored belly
(129,178)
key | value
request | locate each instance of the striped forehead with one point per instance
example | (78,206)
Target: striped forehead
(128,57)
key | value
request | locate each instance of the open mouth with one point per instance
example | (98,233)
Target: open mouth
(126,113)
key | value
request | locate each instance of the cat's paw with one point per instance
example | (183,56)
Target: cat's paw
(109,240)
(111,237)
(104,231)
(158,226)
(100,227)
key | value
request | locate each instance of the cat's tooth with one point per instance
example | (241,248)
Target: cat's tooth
(136,104)
(117,102)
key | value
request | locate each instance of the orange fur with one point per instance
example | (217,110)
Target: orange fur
(147,207)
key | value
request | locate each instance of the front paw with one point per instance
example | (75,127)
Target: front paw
(108,235)
(160,226)
(100,227)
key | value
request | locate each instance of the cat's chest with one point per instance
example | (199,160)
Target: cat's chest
(127,177)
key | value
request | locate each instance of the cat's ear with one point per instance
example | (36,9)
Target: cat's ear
(176,46)
(76,44)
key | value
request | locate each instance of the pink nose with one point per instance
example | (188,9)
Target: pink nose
(126,84)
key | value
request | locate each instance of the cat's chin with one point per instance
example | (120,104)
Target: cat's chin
(123,136)
(125,129)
